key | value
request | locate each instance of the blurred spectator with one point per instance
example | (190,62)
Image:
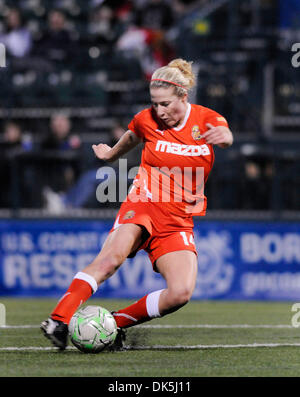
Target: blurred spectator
(155,14)
(16,38)
(149,46)
(61,171)
(123,9)
(59,136)
(56,43)
(104,27)
(256,186)
(13,144)
(12,136)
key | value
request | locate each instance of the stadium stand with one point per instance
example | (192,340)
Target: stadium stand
(93,59)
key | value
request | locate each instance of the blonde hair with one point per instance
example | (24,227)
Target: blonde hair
(178,73)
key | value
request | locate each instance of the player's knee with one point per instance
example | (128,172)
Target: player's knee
(109,263)
(181,296)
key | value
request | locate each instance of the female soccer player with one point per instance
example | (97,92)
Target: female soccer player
(157,215)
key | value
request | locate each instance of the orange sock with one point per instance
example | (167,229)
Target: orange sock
(139,312)
(80,290)
(132,314)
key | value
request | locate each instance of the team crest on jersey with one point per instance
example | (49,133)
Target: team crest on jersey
(196,133)
(129,214)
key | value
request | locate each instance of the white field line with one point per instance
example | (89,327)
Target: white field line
(160,347)
(221,326)
(168,326)
(31,348)
(164,347)
(200,347)
(19,326)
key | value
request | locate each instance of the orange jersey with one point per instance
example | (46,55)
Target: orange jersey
(175,161)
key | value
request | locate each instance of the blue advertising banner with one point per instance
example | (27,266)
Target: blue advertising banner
(236,260)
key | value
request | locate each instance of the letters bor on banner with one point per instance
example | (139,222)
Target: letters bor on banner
(2,56)
(2,314)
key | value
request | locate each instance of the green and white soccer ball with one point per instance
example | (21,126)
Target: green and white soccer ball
(92,329)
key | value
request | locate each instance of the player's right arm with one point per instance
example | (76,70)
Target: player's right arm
(127,142)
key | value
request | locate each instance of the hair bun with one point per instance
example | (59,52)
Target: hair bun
(184,66)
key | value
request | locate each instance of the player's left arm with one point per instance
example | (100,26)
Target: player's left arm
(218,135)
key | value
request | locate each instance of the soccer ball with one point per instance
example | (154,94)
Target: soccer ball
(92,329)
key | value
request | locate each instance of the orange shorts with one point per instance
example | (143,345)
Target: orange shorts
(164,232)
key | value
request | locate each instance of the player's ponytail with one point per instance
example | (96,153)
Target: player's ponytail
(178,73)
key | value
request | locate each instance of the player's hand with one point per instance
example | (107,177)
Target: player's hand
(102,151)
(219,135)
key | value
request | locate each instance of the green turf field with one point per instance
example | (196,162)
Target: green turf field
(203,339)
